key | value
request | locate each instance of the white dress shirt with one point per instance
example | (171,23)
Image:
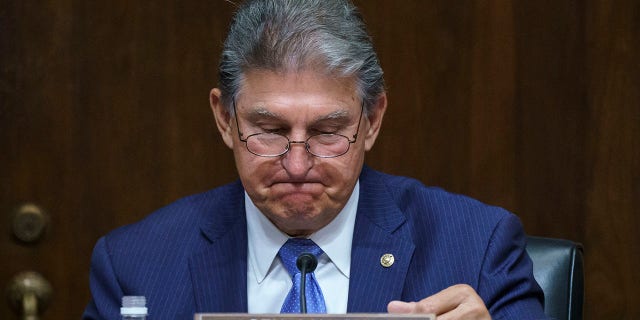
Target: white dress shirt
(268,282)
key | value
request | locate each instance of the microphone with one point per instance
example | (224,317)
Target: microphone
(306,262)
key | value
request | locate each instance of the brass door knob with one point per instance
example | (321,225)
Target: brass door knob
(29,222)
(29,294)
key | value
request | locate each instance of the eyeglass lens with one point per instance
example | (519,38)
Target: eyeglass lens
(322,145)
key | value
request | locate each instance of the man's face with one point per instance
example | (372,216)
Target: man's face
(298,192)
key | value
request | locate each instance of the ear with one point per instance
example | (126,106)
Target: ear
(375,116)
(222,116)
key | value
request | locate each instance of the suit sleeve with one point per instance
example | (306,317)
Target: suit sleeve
(105,289)
(506,280)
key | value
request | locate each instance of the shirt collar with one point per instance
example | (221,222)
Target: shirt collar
(335,239)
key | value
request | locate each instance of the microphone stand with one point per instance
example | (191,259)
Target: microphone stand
(306,262)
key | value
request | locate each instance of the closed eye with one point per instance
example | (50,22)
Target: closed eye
(270,126)
(274,130)
(324,131)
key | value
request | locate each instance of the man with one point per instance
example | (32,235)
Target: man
(301,99)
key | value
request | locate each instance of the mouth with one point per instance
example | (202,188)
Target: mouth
(297,187)
(295,182)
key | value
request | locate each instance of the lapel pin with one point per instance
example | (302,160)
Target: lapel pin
(387,260)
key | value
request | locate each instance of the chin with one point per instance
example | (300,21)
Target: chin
(299,210)
(296,214)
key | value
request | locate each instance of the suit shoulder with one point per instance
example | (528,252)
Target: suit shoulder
(419,200)
(176,221)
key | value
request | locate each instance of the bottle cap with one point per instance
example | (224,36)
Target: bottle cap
(133,306)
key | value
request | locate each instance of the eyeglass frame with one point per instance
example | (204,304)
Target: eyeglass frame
(289,142)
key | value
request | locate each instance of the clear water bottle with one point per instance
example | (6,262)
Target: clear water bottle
(134,308)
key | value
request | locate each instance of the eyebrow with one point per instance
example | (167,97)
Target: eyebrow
(261,113)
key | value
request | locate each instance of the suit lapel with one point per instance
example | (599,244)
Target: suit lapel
(219,272)
(378,231)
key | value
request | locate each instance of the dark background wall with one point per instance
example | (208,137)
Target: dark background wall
(530,105)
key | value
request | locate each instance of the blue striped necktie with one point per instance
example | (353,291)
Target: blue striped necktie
(289,253)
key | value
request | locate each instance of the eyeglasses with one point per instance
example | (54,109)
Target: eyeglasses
(324,145)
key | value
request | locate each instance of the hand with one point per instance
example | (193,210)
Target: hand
(456,302)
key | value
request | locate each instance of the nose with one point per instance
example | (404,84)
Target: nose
(297,161)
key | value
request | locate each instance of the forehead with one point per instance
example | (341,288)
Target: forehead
(304,91)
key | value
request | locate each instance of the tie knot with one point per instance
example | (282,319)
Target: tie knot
(293,248)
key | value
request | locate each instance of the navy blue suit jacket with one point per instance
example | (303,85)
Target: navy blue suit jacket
(191,256)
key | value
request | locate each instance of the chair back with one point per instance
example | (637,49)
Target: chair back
(558,268)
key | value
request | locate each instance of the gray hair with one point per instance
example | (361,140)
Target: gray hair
(291,35)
